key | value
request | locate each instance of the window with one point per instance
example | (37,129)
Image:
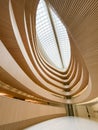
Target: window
(53,36)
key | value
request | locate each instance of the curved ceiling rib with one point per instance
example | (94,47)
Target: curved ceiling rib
(26,57)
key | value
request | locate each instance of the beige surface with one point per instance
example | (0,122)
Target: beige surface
(15,111)
(26,74)
(81,76)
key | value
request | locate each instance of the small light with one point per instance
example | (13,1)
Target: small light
(33,101)
(6,95)
(3,94)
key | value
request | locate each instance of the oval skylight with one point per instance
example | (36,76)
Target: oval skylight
(53,36)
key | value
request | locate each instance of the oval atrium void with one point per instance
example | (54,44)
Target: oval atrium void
(52,37)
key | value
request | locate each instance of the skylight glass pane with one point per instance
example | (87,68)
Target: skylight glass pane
(60,56)
(46,35)
(63,39)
